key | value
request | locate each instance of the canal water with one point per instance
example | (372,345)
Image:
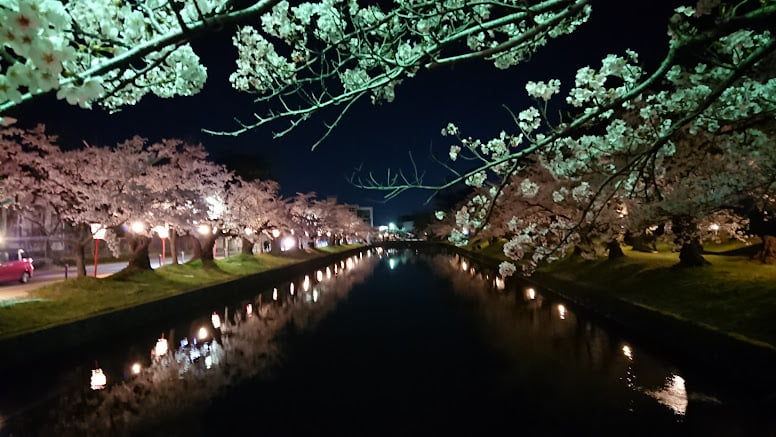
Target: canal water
(384,342)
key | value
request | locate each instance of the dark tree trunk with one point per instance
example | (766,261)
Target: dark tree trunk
(80,258)
(275,247)
(83,237)
(174,247)
(644,243)
(206,249)
(691,254)
(615,251)
(138,252)
(247,246)
(768,254)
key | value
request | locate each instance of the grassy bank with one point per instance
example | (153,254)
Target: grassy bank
(76,299)
(734,294)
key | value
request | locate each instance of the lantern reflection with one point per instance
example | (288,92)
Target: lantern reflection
(274,294)
(328,273)
(315,295)
(306,283)
(319,276)
(562,311)
(530,294)
(291,289)
(161,347)
(216,320)
(673,395)
(628,352)
(500,283)
(98,381)
(249,310)
(464,266)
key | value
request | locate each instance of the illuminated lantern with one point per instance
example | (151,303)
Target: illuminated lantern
(275,233)
(98,380)
(216,320)
(275,294)
(136,368)
(202,333)
(530,293)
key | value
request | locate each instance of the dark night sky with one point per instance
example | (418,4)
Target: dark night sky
(471,95)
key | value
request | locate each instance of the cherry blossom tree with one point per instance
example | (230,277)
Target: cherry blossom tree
(297,59)
(253,209)
(633,136)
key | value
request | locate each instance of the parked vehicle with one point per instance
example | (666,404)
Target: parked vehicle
(14,266)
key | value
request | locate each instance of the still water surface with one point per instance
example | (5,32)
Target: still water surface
(385,343)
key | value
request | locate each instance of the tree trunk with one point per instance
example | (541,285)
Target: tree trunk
(174,247)
(615,251)
(768,254)
(138,252)
(196,248)
(690,255)
(644,243)
(247,246)
(80,258)
(206,249)
(275,247)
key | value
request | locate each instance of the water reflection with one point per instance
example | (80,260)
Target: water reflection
(238,346)
(529,324)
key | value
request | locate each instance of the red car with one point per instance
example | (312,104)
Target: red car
(15,267)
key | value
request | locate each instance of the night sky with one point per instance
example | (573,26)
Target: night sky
(470,94)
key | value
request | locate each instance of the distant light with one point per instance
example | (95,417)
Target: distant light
(275,294)
(391,226)
(291,289)
(202,334)
(464,266)
(714,227)
(500,283)
(275,233)
(392,263)
(288,243)
(203,229)
(136,368)
(98,380)
(530,293)
(138,227)
(216,320)
(248,231)
(249,309)
(382,228)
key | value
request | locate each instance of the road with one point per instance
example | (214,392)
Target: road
(41,277)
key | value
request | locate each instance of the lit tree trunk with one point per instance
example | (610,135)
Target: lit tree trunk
(174,247)
(138,252)
(275,247)
(247,246)
(768,254)
(615,251)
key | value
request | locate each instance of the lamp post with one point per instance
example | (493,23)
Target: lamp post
(98,233)
(163,233)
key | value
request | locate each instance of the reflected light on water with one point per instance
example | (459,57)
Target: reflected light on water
(628,352)
(249,309)
(136,368)
(464,266)
(328,273)
(392,263)
(673,395)
(216,320)
(315,295)
(350,263)
(98,381)
(530,294)
(562,311)
(306,283)
(274,294)
(500,283)
(291,289)
(319,276)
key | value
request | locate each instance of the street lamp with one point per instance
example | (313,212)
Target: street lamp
(137,227)
(163,233)
(98,233)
